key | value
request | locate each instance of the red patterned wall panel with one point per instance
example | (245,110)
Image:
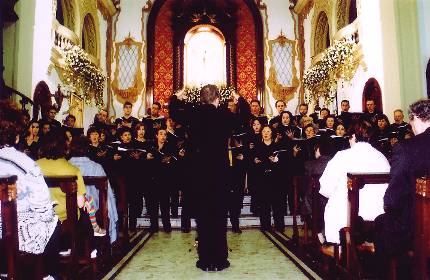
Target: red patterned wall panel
(246,54)
(163,55)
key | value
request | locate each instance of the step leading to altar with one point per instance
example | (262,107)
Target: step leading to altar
(246,219)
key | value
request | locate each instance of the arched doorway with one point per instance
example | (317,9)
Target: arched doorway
(372,90)
(89,38)
(170,20)
(204,57)
(42,99)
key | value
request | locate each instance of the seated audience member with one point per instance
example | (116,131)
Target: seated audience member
(29,144)
(395,228)
(361,157)
(37,222)
(90,168)
(324,151)
(399,125)
(52,162)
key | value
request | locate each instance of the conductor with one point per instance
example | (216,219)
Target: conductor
(209,133)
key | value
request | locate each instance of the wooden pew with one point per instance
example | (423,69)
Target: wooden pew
(422,229)
(68,185)
(8,192)
(356,181)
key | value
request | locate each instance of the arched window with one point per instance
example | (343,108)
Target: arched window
(352,10)
(322,34)
(66,13)
(89,39)
(59,14)
(372,90)
(204,56)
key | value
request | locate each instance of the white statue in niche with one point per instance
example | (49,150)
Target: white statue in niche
(204,56)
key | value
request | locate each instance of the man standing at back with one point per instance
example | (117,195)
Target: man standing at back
(411,158)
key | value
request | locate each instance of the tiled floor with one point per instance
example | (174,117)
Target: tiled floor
(168,256)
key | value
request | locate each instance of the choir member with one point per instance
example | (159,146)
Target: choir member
(127,119)
(370,112)
(154,121)
(280,107)
(49,118)
(253,137)
(163,156)
(286,128)
(341,141)
(269,190)
(381,134)
(256,111)
(303,111)
(345,116)
(399,125)
(30,143)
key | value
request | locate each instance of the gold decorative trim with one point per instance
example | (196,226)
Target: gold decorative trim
(349,184)
(279,91)
(145,10)
(421,187)
(301,44)
(263,96)
(109,45)
(107,8)
(301,5)
(115,23)
(129,94)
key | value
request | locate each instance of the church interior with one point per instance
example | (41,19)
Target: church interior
(109,67)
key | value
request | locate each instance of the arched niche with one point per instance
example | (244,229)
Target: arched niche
(372,90)
(41,98)
(67,13)
(89,36)
(178,20)
(321,34)
(204,56)
(346,12)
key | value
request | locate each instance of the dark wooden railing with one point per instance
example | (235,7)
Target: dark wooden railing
(8,192)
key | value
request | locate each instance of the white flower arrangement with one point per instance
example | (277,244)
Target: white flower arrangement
(193,94)
(84,75)
(338,61)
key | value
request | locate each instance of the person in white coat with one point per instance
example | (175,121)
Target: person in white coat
(361,157)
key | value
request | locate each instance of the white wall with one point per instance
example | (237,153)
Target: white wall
(279,18)
(423,7)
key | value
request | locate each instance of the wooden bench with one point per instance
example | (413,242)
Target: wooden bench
(422,229)
(68,185)
(8,192)
(349,256)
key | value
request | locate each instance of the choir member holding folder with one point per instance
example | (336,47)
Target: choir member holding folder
(269,189)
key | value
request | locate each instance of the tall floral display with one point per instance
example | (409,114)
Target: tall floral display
(81,73)
(339,61)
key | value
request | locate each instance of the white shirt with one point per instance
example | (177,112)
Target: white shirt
(361,157)
(36,216)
